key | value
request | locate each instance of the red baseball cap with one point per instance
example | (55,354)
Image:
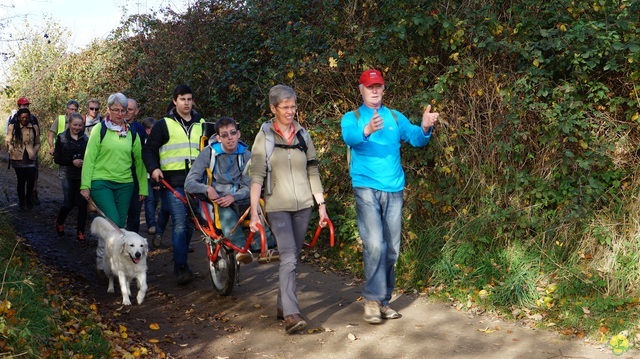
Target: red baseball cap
(23,101)
(371,77)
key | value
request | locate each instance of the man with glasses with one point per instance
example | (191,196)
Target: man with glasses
(93,115)
(226,157)
(60,124)
(171,147)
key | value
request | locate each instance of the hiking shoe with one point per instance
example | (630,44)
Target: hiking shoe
(157,240)
(293,323)
(60,230)
(185,276)
(279,314)
(372,312)
(80,237)
(151,230)
(244,258)
(270,255)
(388,313)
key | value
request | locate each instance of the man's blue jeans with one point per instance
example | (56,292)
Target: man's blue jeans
(182,228)
(150,205)
(229,217)
(379,223)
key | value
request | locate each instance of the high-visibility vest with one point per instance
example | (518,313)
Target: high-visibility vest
(62,124)
(182,146)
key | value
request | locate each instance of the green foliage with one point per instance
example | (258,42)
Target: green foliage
(50,76)
(529,181)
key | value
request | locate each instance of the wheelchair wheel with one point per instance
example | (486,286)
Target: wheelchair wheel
(223,271)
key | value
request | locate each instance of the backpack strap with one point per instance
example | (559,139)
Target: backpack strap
(212,164)
(103,132)
(270,145)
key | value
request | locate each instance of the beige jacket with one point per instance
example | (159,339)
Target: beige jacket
(293,180)
(30,141)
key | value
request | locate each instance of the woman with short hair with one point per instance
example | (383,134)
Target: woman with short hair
(107,177)
(292,185)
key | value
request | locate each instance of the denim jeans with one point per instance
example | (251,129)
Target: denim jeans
(182,228)
(229,217)
(135,207)
(150,205)
(379,223)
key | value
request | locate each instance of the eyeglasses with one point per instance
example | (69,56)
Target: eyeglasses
(94,108)
(230,133)
(118,110)
(288,108)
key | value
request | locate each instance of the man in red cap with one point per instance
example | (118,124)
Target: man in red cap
(374,134)
(23,102)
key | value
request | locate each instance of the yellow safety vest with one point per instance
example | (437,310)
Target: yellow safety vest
(181,145)
(62,124)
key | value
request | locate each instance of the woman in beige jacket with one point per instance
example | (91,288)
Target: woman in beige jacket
(23,139)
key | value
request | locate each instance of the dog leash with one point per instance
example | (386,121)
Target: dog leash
(90,201)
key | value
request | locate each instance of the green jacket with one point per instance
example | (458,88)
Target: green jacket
(111,159)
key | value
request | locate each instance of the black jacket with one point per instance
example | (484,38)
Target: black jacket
(67,149)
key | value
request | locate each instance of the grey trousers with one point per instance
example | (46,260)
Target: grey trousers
(289,230)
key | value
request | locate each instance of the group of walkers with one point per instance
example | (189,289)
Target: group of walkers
(117,163)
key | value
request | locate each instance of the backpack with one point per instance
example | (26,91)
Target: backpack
(270,145)
(357,114)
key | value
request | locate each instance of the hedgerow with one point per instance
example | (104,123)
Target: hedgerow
(527,189)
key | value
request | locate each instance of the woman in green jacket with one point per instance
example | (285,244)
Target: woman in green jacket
(107,177)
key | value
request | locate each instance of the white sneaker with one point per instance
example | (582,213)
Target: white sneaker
(388,313)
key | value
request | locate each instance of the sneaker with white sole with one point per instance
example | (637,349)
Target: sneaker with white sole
(244,258)
(372,313)
(388,313)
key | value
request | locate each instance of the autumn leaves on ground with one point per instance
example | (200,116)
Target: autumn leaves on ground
(44,315)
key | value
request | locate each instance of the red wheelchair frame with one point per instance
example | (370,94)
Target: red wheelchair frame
(223,267)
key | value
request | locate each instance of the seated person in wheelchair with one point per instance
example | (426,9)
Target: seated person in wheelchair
(219,174)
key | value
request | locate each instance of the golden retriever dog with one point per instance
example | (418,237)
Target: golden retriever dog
(125,257)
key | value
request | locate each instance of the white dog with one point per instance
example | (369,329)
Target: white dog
(125,257)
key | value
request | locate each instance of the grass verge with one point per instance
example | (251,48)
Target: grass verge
(42,315)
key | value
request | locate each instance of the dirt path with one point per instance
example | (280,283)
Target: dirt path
(194,322)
